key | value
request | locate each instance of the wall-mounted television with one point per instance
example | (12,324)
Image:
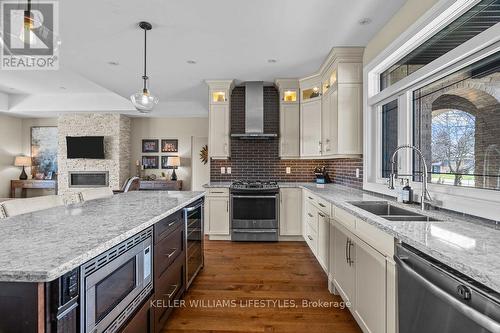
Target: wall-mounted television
(85,147)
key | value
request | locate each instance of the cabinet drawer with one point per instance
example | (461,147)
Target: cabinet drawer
(168,249)
(168,288)
(141,321)
(167,225)
(218,191)
(311,238)
(324,206)
(311,216)
(345,218)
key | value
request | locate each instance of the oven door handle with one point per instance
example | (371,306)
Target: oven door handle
(255,196)
(254,231)
(471,313)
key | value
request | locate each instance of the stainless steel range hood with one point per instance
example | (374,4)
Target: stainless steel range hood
(254,112)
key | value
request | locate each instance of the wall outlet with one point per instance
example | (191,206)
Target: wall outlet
(357,173)
(228,170)
(222,170)
(288,170)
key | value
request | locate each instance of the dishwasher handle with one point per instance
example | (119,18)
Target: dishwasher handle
(474,315)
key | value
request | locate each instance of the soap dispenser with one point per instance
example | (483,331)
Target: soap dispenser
(407,193)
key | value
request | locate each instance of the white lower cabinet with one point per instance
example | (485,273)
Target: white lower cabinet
(344,264)
(370,285)
(363,276)
(290,212)
(323,239)
(217,215)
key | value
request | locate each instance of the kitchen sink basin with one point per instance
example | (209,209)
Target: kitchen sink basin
(392,213)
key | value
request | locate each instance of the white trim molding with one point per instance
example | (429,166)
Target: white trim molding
(474,201)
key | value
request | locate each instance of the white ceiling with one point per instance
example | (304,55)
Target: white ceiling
(227,38)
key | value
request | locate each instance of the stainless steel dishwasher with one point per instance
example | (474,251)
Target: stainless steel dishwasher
(434,298)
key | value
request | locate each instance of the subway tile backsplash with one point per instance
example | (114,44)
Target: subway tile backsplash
(259,159)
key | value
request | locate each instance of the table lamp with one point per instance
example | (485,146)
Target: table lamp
(23,161)
(174,162)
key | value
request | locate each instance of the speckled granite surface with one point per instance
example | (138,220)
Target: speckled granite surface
(472,248)
(44,245)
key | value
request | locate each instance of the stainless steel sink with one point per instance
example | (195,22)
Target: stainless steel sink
(392,213)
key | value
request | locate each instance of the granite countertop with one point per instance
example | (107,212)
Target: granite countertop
(468,245)
(42,246)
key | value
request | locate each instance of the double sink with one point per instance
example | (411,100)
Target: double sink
(392,213)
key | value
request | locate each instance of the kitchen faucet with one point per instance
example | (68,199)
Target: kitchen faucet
(425,193)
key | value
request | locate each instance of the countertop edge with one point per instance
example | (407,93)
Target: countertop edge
(47,276)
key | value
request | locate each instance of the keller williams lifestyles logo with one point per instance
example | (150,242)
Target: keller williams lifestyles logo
(29,35)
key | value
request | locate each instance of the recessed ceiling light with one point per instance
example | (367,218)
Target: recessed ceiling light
(191,62)
(113,63)
(62,88)
(272,61)
(365,21)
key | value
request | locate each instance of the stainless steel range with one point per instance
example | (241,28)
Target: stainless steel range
(254,211)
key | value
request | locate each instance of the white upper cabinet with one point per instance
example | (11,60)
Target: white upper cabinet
(310,117)
(289,118)
(330,115)
(219,120)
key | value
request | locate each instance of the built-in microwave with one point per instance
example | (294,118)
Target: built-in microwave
(115,283)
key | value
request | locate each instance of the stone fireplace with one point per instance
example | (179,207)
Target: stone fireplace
(113,170)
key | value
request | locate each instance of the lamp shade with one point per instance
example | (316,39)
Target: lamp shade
(173,161)
(22,161)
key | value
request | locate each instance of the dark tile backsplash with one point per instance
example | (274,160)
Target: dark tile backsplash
(259,159)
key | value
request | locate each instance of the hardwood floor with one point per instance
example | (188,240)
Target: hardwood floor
(241,273)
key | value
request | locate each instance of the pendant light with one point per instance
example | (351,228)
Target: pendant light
(144,101)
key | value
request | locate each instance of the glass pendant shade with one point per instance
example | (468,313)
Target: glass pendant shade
(144,101)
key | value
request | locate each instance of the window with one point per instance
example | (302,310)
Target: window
(456,125)
(478,19)
(389,135)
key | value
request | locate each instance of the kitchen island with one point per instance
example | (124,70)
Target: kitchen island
(44,251)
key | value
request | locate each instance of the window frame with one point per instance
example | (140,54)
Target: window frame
(481,202)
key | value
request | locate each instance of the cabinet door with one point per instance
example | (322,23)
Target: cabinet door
(370,288)
(344,261)
(310,124)
(290,212)
(142,320)
(219,131)
(290,130)
(349,119)
(323,239)
(329,123)
(217,213)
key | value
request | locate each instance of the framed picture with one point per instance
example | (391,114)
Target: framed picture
(150,146)
(150,162)
(43,151)
(169,146)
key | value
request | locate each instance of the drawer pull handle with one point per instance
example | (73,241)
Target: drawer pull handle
(310,198)
(169,255)
(310,215)
(322,205)
(217,192)
(309,237)
(175,286)
(171,224)
(321,214)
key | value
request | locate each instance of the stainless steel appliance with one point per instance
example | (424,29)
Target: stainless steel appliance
(62,303)
(254,211)
(193,217)
(435,298)
(115,283)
